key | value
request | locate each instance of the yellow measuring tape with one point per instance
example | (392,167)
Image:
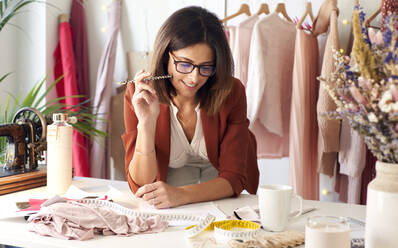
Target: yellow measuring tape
(225,230)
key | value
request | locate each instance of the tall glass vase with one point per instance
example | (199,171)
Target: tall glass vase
(382,208)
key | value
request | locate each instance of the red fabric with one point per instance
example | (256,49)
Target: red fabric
(78,24)
(60,86)
(231,147)
(65,65)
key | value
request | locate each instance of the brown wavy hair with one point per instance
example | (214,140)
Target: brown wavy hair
(187,27)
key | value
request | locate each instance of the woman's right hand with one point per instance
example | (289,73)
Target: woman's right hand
(145,100)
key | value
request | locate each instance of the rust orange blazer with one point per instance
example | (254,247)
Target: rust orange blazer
(230,146)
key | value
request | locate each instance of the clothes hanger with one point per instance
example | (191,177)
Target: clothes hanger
(373,16)
(244,9)
(281,8)
(263,9)
(308,11)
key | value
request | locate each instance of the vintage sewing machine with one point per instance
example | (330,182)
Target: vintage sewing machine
(25,146)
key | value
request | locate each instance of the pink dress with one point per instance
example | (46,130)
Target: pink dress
(303,143)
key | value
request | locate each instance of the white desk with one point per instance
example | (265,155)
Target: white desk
(13,230)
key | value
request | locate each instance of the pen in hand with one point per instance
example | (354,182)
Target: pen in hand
(147,79)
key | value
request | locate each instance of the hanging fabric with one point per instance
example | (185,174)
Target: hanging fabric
(303,144)
(329,129)
(65,65)
(78,25)
(104,89)
(241,49)
(269,85)
(352,161)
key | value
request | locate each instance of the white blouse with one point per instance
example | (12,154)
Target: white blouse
(181,151)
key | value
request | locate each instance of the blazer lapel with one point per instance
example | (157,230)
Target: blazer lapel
(162,140)
(210,126)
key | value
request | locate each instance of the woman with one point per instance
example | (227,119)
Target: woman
(187,138)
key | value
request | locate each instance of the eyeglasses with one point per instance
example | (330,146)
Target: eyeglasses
(187,67)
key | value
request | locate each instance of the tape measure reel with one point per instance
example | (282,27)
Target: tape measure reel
(225,230)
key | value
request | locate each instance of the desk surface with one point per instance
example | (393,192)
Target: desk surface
(14,232)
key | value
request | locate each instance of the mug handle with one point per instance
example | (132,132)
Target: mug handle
(300,211)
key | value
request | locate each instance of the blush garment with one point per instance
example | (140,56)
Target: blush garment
(269,85)
(241,49)
(352,159)
(329,130)
(303,144)
(231,36)
(73,220)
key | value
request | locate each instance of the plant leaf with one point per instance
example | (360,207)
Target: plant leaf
(6,108)
(36,91)
(49,88)
(6,75)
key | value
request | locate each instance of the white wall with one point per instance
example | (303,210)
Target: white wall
(31,58)
(23,49)
(8,63)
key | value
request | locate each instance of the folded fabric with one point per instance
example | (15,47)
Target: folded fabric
(73,220)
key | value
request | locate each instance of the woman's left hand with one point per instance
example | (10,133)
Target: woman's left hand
(161,195)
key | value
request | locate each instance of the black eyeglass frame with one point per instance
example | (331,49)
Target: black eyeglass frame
(193,67)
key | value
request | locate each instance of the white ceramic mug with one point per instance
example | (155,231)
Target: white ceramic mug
(274,203)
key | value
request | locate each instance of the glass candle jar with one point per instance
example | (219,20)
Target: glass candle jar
(327,232)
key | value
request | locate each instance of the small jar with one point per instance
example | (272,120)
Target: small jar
(327,232)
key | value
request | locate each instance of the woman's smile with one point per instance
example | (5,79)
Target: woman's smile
(189,85)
